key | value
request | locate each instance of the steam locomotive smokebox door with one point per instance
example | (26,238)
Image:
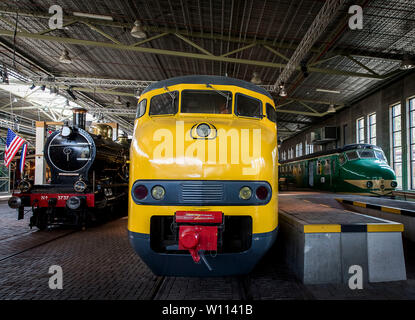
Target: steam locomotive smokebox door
(198,230)
(71,156)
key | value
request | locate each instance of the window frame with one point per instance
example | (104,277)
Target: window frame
(223,91)
(411,143)
(165,114)
(393,161)
(145,109)
(266,112)
(369,128)
(359,129)
(259,117)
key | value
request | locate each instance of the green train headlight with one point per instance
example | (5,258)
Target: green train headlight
(245,193)
(369,184)
(158,192)
(394,184)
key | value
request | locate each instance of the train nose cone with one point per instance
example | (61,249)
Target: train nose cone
(367,169)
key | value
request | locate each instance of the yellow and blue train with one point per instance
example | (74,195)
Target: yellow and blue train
(203,177)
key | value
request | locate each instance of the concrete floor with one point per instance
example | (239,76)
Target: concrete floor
(99,263)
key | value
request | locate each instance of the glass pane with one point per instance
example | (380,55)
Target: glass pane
(413,135)
(362,135)
(396,110)
(398,169)
(379,155)
(206,101)
(397,155)
(366,154)
(412,104)
(373,141)
(397,139)
(165,103)
(271,114)
(413,175)
(352,155)
(248,107)
(413,152)
(412,119)
(399,181)
(372,119)
(141,108)
(396,124)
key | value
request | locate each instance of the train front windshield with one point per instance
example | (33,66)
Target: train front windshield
(366,154)
(203,101)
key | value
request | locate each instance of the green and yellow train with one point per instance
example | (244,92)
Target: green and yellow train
(356,168)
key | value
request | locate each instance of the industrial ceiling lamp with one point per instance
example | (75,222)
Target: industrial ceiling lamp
(331,109)
(64,58)
(282,92)
(256,79)
(408,62)
(137,31)
(117,100)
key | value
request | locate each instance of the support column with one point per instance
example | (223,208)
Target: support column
(40,164)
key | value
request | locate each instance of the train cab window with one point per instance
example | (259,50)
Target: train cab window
(165,103)
(271,114)
(206,101)
(352,155)
(141,108)
(366,154)
(248,107)
(342,159)
(380,156)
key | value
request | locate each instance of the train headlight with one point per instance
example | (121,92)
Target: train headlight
(74,203)
(24,186)
(369,184)
(394,184)
(15,202)
(262,193)
(245,193)
(79,186)
(140,192)
(203,130)
(66,131)
(158,192)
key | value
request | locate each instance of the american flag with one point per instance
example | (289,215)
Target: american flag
(13,144)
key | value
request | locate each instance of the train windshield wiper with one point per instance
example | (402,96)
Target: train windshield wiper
(225,95)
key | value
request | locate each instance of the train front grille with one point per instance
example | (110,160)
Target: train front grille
(203,192)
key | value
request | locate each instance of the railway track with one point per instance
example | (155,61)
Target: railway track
(5,256)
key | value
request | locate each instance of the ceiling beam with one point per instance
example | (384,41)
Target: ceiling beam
(108,45)
(319,25)
(203,34)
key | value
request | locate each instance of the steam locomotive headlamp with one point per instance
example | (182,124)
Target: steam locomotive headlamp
(15,202)
(369,184)
(79,186)
(24,186)
(203,130)
(394,184)
(66,131)
(158,192)
(74,203)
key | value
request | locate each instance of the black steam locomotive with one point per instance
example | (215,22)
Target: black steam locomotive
(89,177)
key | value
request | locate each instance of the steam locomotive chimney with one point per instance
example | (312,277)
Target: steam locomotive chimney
(79,117)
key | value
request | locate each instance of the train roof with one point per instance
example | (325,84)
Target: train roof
(332,151)
(206,79)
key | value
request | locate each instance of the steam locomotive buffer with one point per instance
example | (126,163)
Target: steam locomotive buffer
(89,176)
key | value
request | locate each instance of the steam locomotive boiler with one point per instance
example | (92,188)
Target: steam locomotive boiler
(89,177)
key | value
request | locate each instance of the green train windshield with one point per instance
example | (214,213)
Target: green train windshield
(365,154)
